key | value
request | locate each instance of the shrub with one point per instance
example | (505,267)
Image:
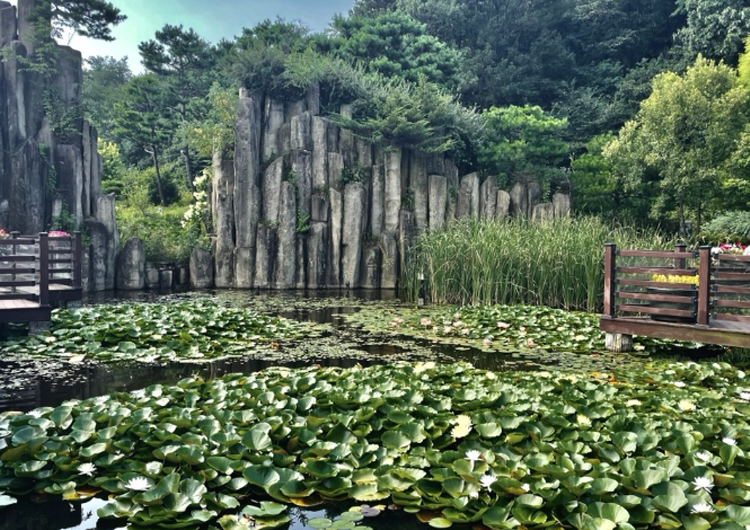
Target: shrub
(164,238)
(728,226)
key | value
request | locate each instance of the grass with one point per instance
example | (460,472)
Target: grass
(558,264)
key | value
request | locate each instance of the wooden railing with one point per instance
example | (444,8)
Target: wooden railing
(630,288)
(21,268)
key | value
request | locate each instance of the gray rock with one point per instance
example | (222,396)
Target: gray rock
(286,253)
(312,98)
(438,191)
(332,138)
(86,201)
(182,275)
(519,201)
(389,260)
(301,263)
(371,257)
(69,170)
(247,199)
(534,192)
(284,140)
(131,266)
(294,108)
(354,213)
(418,185)
(320,154)
(95,267)
(488,199)
(244,266)
(272,178)
(468,197)
(152,276)
(377,200)
(364,152)
(105,213)
(317,255)
(346,138)
(407,233)
(561,202)
(337,219)
(335,168)
(223,216)
(319,212)
(302,169)
(435,164)
(265,257)
(201,269)
(543,213)
(503,204)
(8,25)
(166,279)
(392,162)
(302,132)
(273,119)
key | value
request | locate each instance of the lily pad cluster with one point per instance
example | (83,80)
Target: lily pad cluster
(664,446)
(508,328)
(195,330)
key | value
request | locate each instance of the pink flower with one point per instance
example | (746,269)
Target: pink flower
(486,342)
(425,321)
(58,233)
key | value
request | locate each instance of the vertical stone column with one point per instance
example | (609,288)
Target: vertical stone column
(377,200)
(488,199)
(247,198)
(392,161)
(286,254)
(468,197)
(222,208)
(354,213)
(336,224)
(438,189)
(105,213)
(273,119)
(319,154)
(418,185)
(272,178)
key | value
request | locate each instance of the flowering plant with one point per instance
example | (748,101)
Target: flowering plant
(673,278)
(58,233)
(4,234)
(733,248)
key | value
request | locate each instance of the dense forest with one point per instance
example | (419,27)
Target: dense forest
(639,108)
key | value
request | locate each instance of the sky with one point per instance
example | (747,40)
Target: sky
(211,19)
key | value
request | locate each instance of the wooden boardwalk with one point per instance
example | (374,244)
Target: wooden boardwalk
(709,305)
(37,272)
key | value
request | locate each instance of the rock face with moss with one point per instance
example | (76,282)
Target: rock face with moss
(335,211)
(50,171)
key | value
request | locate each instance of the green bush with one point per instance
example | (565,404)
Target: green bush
(165,240)
(727,226)
(558,264)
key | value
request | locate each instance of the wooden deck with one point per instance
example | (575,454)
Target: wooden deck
(710,306)
(37,272)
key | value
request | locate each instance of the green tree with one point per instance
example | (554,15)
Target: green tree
(184,61)
(714,28)
(682,139)
(89,18)
(104,82)
(393,44)
(522,144)
(144,120)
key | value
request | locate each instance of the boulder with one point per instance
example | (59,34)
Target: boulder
(543,213)
(468,197)
(518,201)
(561,203)
(201,269)
(131,266)
(488,199)
(502,204)
(152,276)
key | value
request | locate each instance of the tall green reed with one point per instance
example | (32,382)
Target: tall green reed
(557,264)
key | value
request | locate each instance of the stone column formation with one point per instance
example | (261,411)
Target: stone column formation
(44,171)
(330,210)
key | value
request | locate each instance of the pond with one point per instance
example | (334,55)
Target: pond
(342,341)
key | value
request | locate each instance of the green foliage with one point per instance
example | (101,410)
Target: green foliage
(714,28)
(682,140)
(558,264)
(664,442)
(194,331)
(113,168)
(394,45)
(215,131)
(165,239)
(104,80)
(728,226)
(351,175)
(522,144)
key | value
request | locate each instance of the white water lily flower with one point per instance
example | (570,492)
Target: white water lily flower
(138,484)
(686,405)
(35,413)
(745,396)
(87,468)
(702,507)
(717,366)
(703,483)
(153,467)
(487,480)
(703,456)
(729,441)
(582,420)
(473,494)
(633,403)
(473,455)
(679,384)
(670,372)
(526,488)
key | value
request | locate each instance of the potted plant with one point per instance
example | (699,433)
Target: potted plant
(680,289)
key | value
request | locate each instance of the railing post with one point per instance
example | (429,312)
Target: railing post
(13,252)
(77,261)
(680,263)
(704,285)
(43,270)
(609,279)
